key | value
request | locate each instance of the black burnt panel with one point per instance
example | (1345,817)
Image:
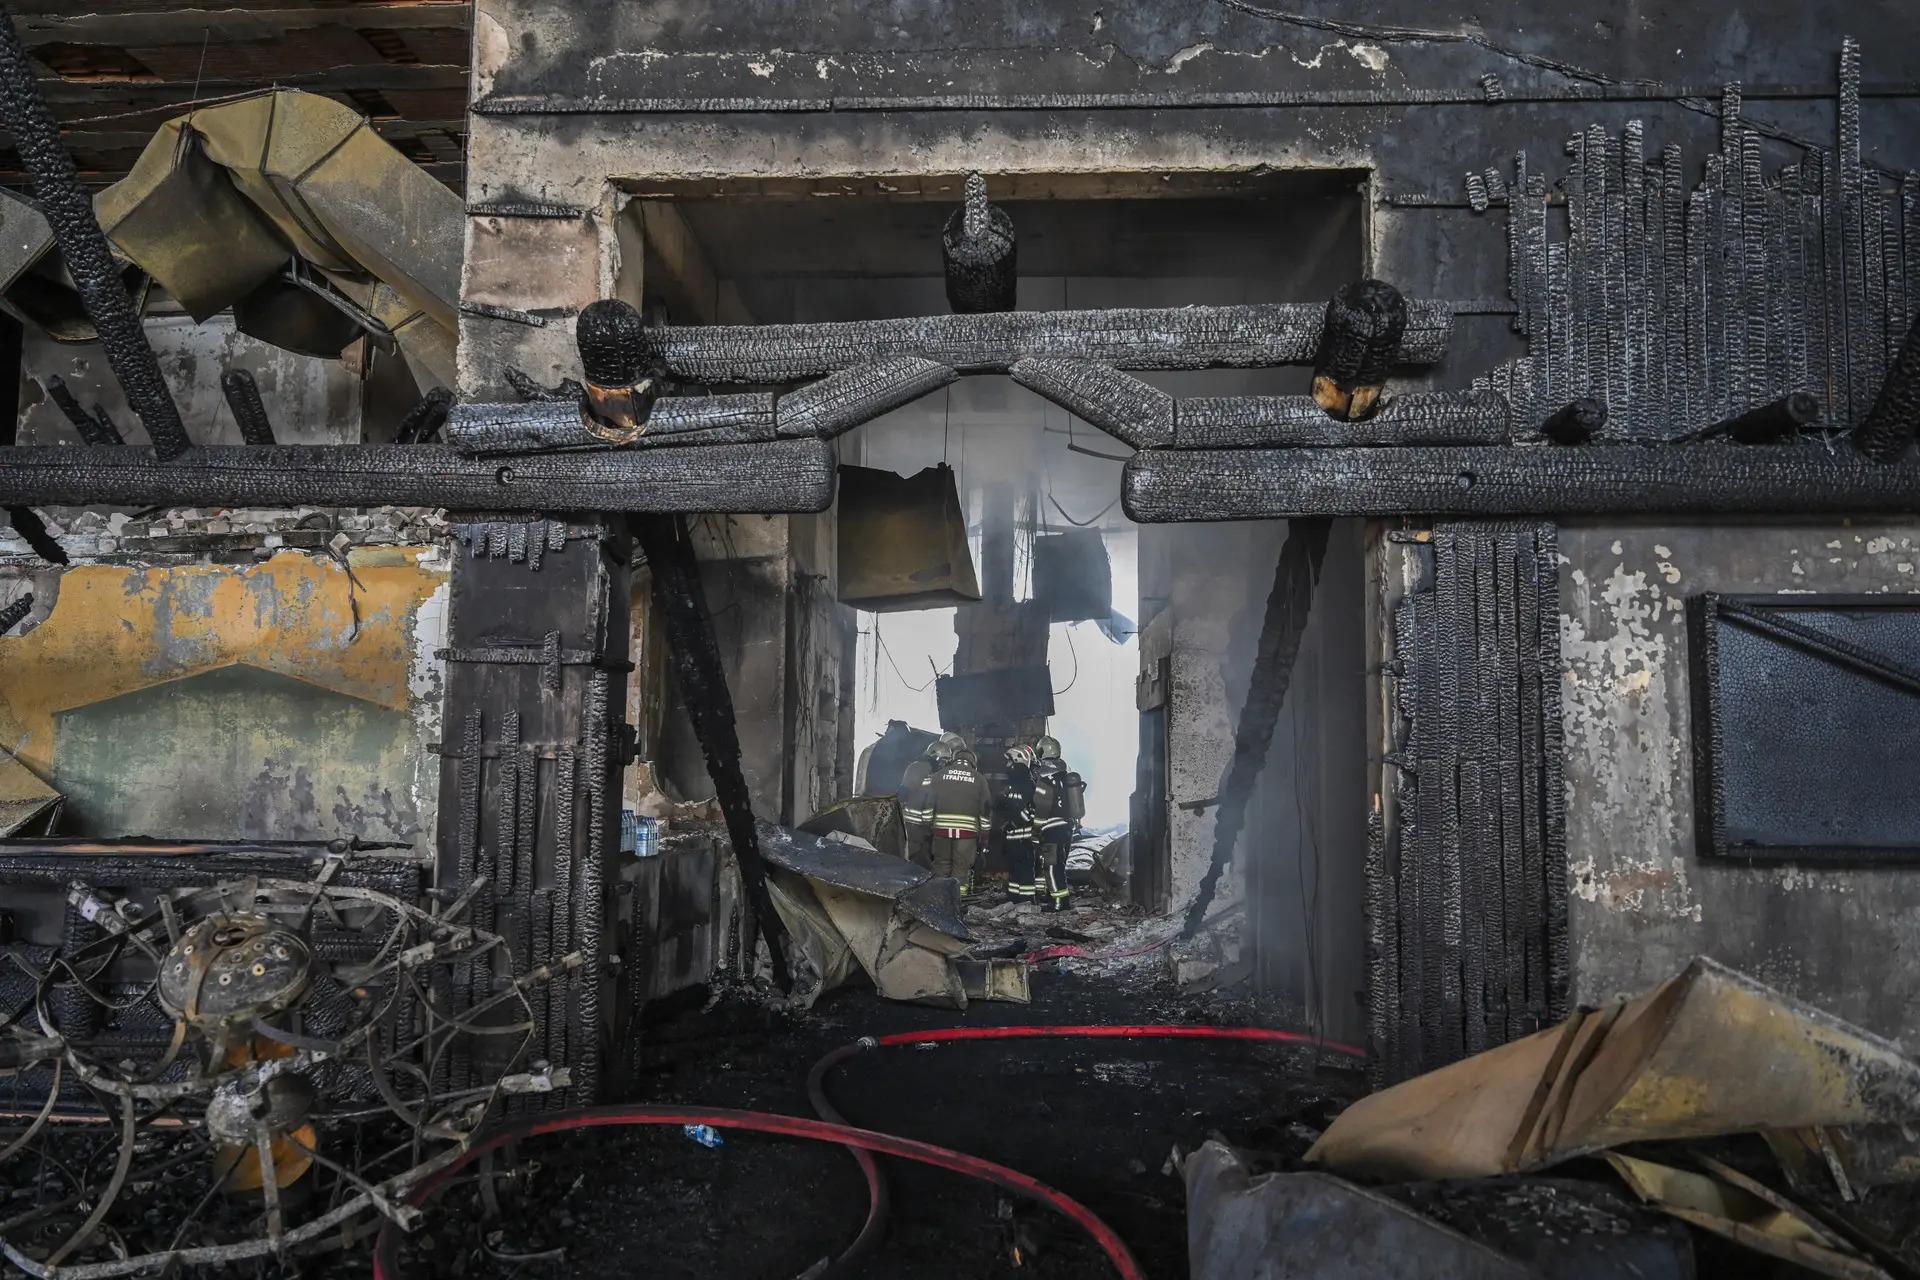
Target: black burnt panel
(1805,726)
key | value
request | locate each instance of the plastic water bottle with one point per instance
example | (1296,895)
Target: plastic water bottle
(704,1134)
(646,837)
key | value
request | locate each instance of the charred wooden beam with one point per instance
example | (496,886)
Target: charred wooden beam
(1252,336)
(1770,423)
(978,250)
(1359,345)
(621,388)
(17,609)
(1417,417)
(556,426)
(774,476)
(95,428)
(1576,422)
(69,212)
(425,418)
(33,531)
(1131,411)
(243,397)
(1163,485)
(702,678)
(1887,432)
(844,400)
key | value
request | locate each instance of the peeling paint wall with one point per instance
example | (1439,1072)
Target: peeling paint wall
(293,697)
(1643,901)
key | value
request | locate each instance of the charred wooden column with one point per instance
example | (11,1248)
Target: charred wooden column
(978,251)
(533,746)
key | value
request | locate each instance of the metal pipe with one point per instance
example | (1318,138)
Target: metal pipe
(69,212)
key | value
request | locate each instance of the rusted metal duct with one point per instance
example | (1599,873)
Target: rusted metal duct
(978,249)
(903,541)
(620,388)
(96,275)
(1358,344)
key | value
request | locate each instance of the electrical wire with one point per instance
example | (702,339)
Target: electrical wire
(386,1253)
(881,642)
(1076,663)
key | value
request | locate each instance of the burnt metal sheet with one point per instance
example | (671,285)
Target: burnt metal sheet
(932,900)
(1803,721)
(973,698)
(903,540)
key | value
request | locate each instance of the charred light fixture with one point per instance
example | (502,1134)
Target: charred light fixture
(620,389)
(1358,345)
(977,247)
(277,1050)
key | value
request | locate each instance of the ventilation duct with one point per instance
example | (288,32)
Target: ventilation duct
(903,541)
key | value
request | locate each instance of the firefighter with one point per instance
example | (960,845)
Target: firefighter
(916,801)
(1017,823)
(1053,828)
(960,808)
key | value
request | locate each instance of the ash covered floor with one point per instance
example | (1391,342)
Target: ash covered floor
(1095,1119)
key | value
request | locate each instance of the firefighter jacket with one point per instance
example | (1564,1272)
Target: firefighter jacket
(957,796)
(915,799)
(1048,809)
(1016,803)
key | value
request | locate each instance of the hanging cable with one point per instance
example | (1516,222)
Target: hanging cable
(1076,662)
(1090,520)
(881,642)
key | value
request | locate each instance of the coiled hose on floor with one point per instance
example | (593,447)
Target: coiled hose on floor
(878,1200)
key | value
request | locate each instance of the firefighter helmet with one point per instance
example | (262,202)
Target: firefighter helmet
(1020,753)
(946,747)
(1047,748)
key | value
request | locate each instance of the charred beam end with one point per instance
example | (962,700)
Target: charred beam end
(1775,422)
(842,401)
(426,417)
(1413,418)
(1359,345)
(978,251)
(1888,430)
(1250,336)
(95,428)
(620,389)
(559,426)
(11,615)
(69,212)
(765,478)
(1163,485)
(1131,411)
(33,531)
(243,397)
(1576,422)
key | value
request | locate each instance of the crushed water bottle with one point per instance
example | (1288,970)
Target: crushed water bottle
(704,1134)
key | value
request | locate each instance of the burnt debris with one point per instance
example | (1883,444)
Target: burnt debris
(424,420)
(243,397)
(978,249)
(1887,433)
(1579,421)
(1359,343)
(620,387)
(15,611)
(95,428)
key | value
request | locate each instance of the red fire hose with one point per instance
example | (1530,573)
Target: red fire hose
(385,1249)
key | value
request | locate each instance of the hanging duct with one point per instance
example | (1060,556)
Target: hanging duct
(980,698)
(1072,577)
(903,541)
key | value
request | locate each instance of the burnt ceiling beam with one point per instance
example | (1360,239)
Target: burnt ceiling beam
(773,476)
(1259,335)
(1414,417)
(1165,485)
(83,246)
(63,91)
(98,24)
(1133,412)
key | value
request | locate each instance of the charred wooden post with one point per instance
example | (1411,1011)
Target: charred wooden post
(620,390)
(1288,605)
(1775,422)
(682,602)
(11,615)
(95,428)
(1576,422)
(978,249)
(243,397)
(1890,425)
(424,420)
(1359,341)
(69,212)
(33,531)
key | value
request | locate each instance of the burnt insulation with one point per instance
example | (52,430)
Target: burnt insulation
(69,213)
(978,251)
(1288,605)
(1466,898)
(702,682)
(1888,430)
(95,428)
(1680,307)
(243,397)
(17,609)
